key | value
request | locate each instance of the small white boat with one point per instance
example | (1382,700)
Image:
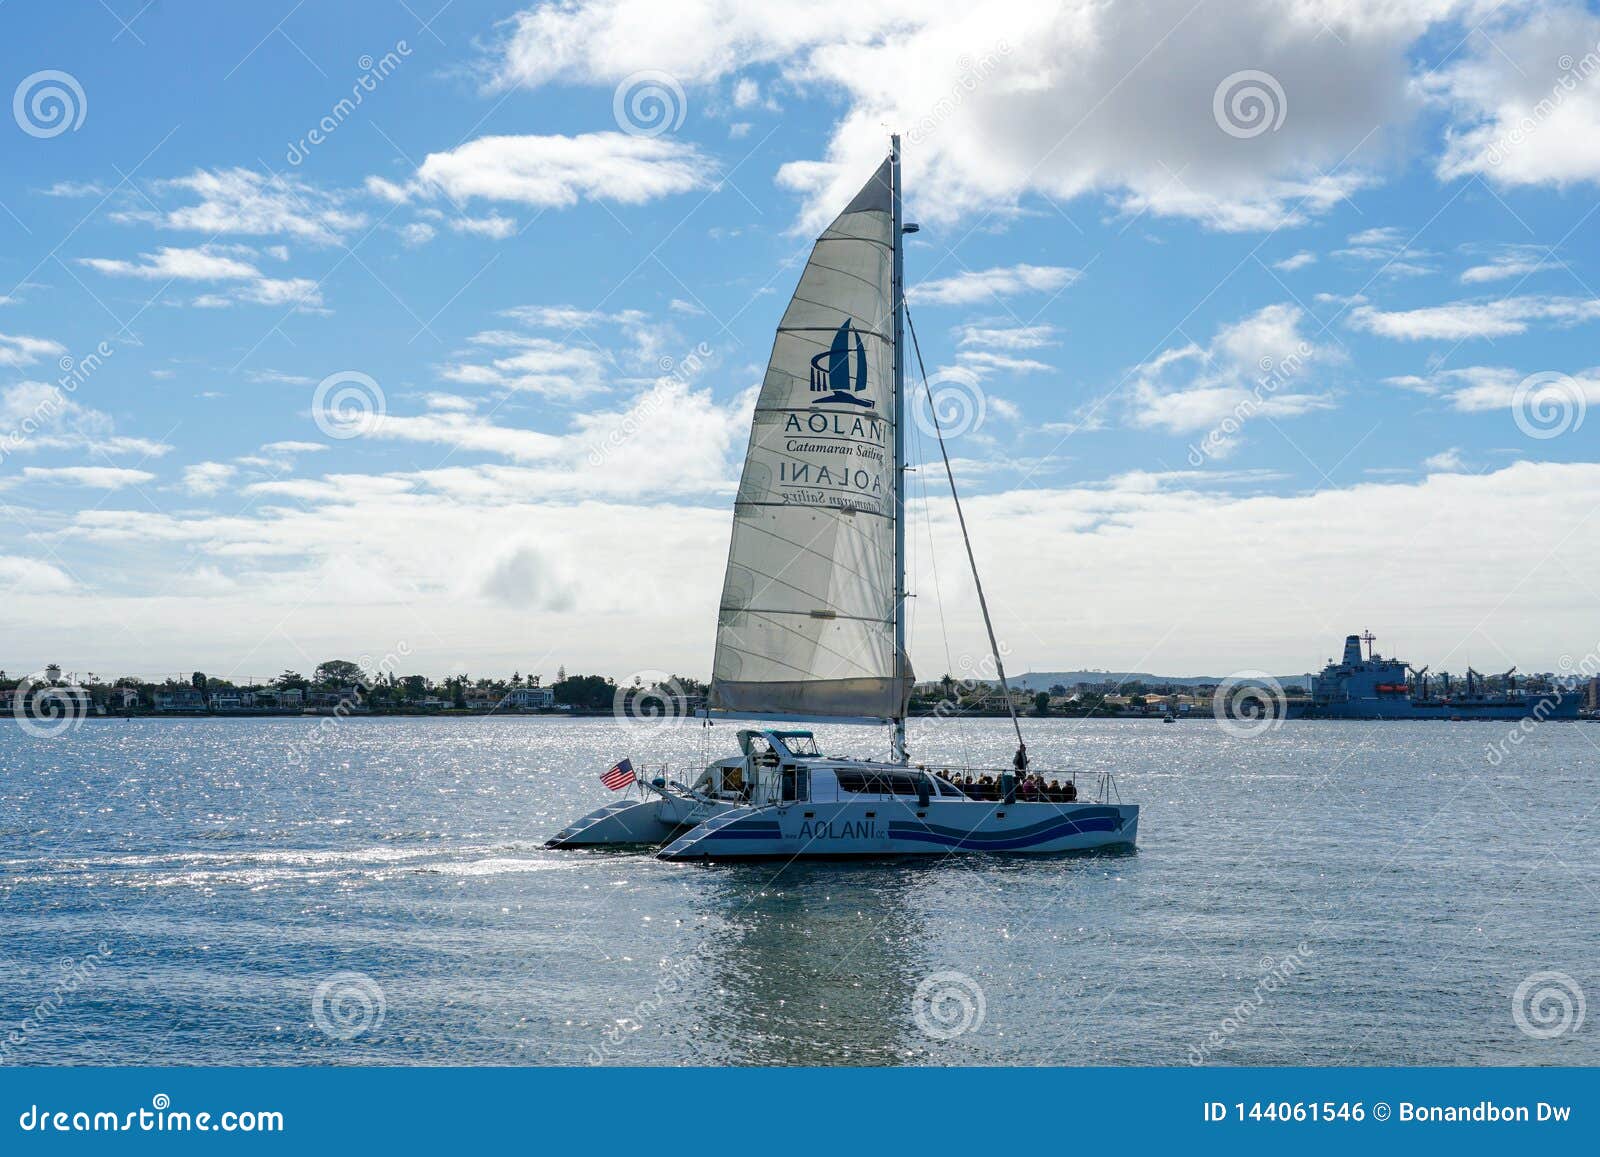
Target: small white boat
(812,618)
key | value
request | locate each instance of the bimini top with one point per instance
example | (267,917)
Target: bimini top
(799,744)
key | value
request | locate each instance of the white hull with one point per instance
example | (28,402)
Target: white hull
(634,823)
(891,827)
(781,799)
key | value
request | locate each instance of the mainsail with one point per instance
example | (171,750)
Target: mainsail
(807,619)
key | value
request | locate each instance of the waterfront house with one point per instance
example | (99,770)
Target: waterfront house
(528,699)
(180,699)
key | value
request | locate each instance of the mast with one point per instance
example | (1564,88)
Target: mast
(898,296)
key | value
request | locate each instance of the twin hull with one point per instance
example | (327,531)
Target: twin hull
(855,828)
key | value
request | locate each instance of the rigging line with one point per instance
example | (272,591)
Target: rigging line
(962,732)
(962,735)
(983,603)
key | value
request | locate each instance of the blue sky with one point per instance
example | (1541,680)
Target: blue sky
(1251,374)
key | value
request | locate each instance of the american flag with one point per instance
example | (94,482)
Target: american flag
(619,776)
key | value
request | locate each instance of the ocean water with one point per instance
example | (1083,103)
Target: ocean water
(292,892)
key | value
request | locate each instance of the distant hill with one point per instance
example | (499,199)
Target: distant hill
(1044,680)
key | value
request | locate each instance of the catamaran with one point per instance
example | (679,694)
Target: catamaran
(812,622)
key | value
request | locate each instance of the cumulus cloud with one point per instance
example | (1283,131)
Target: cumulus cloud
(1260,365)
(553,172)
(1033,98)
(1295,261)
(27,576)
(1524,99)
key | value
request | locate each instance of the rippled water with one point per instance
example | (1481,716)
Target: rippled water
(256,891)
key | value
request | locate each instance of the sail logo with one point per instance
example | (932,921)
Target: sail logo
(831,370)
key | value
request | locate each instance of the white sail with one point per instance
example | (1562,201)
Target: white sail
(807,619)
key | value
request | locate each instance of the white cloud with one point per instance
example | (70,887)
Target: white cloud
(416,233)
(212,263)
(1056,99)
(245,202)
(294,447)
(203,264)
(561,367)
(96,477)
(19,576)
(1524,99)
(558,171)
(971,286)
(984,361)
(39,416)
(21,350)
(1260,365)
(206,478)
(540,365)
(1445,461)
(1462,320)
(421,552)
(1014,337)
(1518,261)
(1475,389)
(494,226)
(1296,261)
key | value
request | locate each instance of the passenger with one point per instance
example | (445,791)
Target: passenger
(1029,791)
(1020,760)
(1069,793)
(1053,791)
(986,788)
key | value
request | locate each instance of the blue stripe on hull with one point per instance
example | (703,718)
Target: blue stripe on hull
(982,842)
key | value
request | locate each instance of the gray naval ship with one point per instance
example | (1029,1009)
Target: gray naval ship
(1378,687)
